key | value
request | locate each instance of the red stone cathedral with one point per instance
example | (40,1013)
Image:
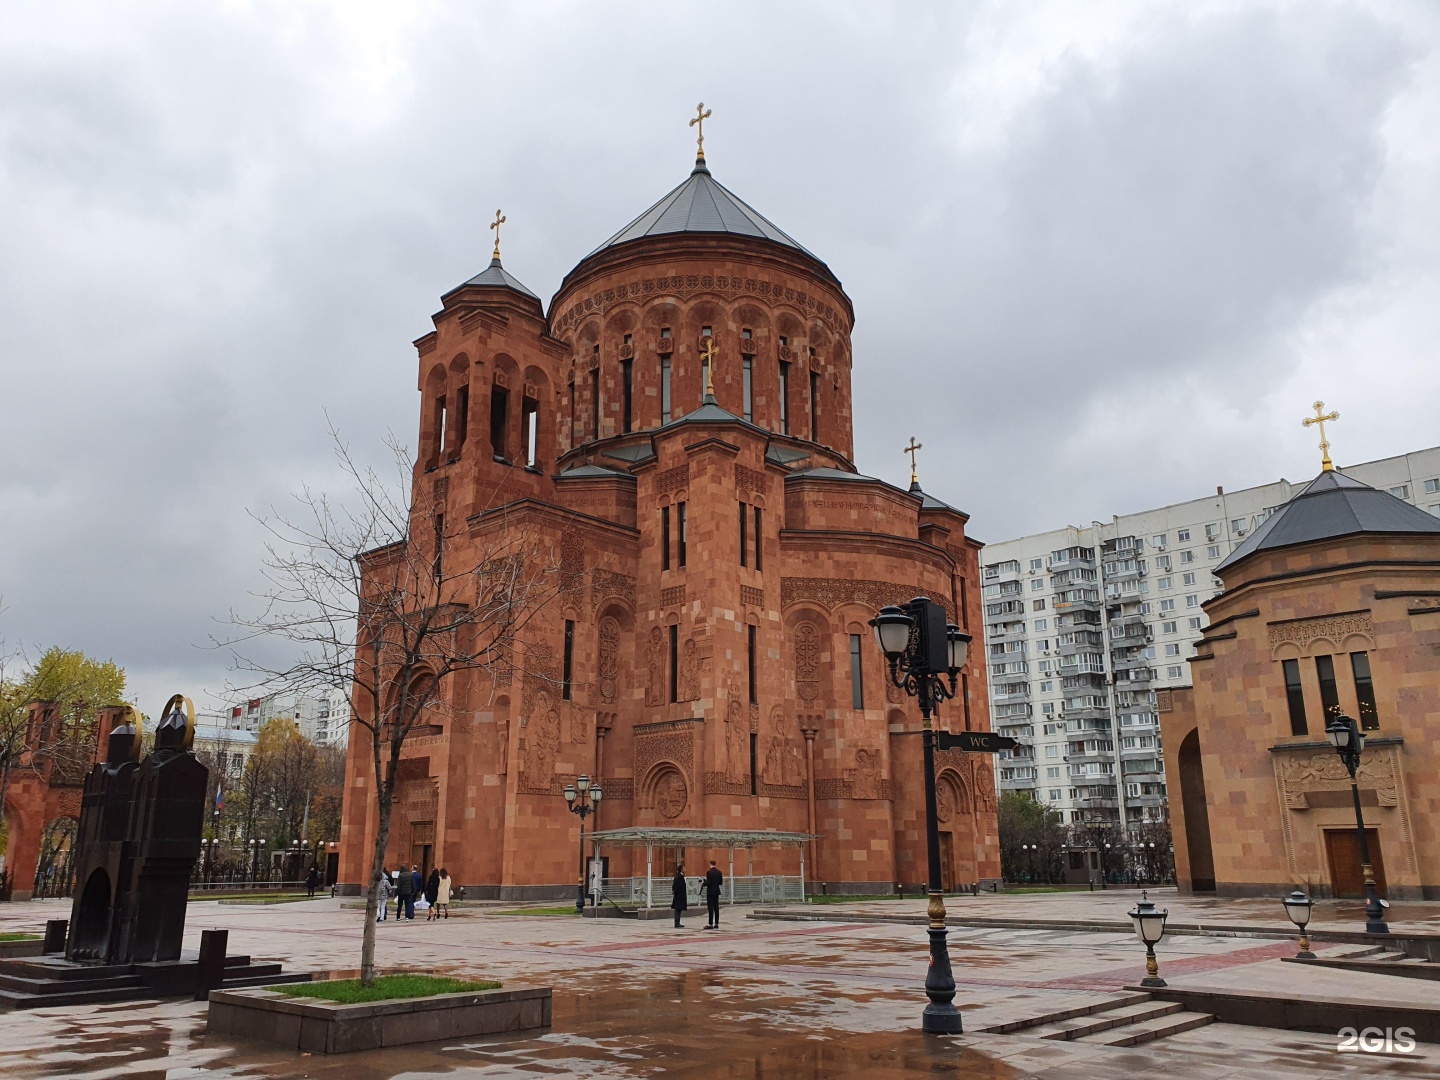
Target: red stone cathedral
(716,671)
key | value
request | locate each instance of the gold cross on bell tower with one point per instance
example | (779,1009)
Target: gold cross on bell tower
(914,446)
(701,115)
(707,357)
(499,220)
(1320,417)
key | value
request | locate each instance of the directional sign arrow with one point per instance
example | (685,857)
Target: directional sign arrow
(974,742)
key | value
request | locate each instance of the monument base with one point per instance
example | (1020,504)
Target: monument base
(53,980)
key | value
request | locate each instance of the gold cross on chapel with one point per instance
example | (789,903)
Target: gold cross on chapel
(707,357)
(701,115)
(499,220)
(1320,417)
(914,446)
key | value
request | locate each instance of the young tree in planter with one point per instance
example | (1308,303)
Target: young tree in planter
(386,593)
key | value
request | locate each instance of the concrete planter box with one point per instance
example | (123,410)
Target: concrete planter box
(328,1027)
(28,947)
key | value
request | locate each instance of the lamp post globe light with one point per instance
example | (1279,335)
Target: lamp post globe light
(925,654)
(1149,928)
(583,800)
(1297,906)
(1349,742)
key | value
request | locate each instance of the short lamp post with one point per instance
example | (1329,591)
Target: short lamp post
(925,654)
(1149,928)
(1349,742)
(583,800)
(1297,906)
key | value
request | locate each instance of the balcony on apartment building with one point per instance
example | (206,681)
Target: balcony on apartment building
(1005,693)
(1128,634)
(1067,558)
(1079,641)
(1004,630)
(1004,571)
(1076,600)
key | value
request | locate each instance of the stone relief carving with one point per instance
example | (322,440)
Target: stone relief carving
(832,592)
(674,596)
(672,480)
(749,481)
(683,288)
(671,795)
(608,663)
(655,668)
(985,786)
(1335,628)
(944,799)
(670,741)
(865,778)
(1302,774)
(807,662)
(751,596)
(689,671)
(737,743)
(607,584)
(542,743)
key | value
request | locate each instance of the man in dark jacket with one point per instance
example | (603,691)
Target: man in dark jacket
(678,900)
(405,894)
(713,880)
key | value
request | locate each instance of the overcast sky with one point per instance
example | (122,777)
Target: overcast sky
(1102,256)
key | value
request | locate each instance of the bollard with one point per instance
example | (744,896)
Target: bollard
(55,931)
(211,975)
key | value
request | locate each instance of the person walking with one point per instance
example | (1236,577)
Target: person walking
(713,880)
(432,894)
(678,901)
(442,896)
(312,881)
(382,894)
(405,884)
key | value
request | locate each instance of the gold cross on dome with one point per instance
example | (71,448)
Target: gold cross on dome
(707,357)
(499,220)
(1320,417)
(701,115)
(914,446)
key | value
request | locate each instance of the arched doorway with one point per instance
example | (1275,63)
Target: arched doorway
(1197,815)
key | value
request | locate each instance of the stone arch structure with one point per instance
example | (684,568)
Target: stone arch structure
(503,424)
(457,407)
(664,793)
(432,418)
(1197,815)
(537,427)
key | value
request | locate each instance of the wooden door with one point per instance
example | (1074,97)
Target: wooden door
(1342,846)
(947,862)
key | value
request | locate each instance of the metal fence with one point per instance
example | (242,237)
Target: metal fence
(760,889)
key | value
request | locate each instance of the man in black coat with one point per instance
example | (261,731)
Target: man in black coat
(678,900)
(713,880)
(404,894)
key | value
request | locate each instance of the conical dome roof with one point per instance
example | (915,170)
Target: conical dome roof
(1331,506)
(496,276)
(703,205)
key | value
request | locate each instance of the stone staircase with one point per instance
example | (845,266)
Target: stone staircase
(45,981)
(1380,960)
(1122,1020)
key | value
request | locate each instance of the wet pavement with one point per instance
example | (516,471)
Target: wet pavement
(758,999)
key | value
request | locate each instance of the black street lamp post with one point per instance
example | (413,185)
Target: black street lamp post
(1349,742)
(583,800)
(925,654)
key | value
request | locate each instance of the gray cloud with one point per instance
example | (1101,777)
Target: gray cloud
(1093,253)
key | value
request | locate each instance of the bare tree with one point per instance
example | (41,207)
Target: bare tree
(387,593)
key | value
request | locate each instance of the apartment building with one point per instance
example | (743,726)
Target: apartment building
(1083,625)
(322,718)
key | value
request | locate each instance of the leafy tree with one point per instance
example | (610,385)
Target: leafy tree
(1031,839)
(73,687)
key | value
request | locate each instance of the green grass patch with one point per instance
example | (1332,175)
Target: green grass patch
(385,988)
(20,937)
(538,911)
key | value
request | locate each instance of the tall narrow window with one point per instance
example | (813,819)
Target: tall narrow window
(442,418)
(1364,691)
(664,389)
(705,332)
(628,390)
(757,537)
(784,396)
(665,538)
(857,678)
(754,761)
(750,661)
(1295,697)
(569,668)
(746,367)
(499,415)
(572,409)
(814,406)
(1329,693)
(462,415)
(530,431)
(437,428)
(680,534)
(439,566)
(744,519)
(595,400)
(674,664)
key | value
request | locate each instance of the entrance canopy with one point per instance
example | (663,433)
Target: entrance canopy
(699,838)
